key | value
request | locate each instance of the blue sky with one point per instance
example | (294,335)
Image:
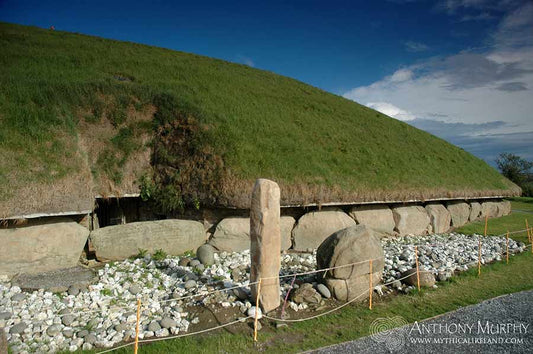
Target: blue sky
(460,69)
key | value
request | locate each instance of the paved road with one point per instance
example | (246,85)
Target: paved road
(500,325)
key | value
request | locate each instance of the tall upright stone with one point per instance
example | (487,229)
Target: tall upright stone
(265,243)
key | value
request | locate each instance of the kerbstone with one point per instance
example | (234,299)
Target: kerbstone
(378,218)
(411,220)
(440,218)
(460,213)
(41,248)
(122,241)
(233,234)
(314,227)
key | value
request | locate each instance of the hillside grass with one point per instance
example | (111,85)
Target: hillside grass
(70,102)
(354,321)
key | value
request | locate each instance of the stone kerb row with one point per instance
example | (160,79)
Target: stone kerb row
(51,245)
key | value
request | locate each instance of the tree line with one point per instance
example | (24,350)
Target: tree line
(517,170)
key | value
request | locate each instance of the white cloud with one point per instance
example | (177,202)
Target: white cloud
(466,87)
(391,110)
(401,75)
(412,46)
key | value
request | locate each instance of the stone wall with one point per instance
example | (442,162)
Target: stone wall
(56,243)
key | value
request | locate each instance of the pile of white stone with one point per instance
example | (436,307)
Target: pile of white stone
(104,314)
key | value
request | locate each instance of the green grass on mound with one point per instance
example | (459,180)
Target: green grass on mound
(204,129)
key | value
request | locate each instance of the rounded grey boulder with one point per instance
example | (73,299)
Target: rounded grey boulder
(206,254)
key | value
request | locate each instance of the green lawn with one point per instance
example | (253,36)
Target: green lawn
(353,321)
(71,102)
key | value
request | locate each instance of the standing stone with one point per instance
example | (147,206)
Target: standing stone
(265,242)
(411,220)
(377,217)
(475,211)
(440,218)
(460,212)
(314,227)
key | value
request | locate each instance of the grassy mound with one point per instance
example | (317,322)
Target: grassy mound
(81,116)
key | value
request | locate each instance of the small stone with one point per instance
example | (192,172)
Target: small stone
(18,328)
(194,263)
(154,326)
(53,330)
(73,290)
(190,284)
(251,313)
(323,290)
(442,276)
(240,294)
(281,325)
(123,327)
(200,267)
(306,294)
(67,320)
(184,261)
(68,332)
(5,315)
(168,322)
(18,297)
(135,289)
(87,346)
(206,254)
(90,338)
(397,284)
(163,332)
(82,334)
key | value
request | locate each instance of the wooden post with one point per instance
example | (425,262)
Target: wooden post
(137,326)
(507,248)
(257,309)
(479,258)
(370,287)
(528,232)
(417,269)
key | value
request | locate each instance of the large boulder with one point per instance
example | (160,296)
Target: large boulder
(475,211)
(489,209)
(314,227)
(411,220)
(426,278)
(377,217)
(349,251)
(504,208)
(439,217)
(123,241)
(460,213)
(41,248)
(233,234)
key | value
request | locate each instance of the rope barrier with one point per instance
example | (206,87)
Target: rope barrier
(294,275)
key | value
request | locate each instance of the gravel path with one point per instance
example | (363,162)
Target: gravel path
(500,325)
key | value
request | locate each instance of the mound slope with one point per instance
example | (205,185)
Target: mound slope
(82,116)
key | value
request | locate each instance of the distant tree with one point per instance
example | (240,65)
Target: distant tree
(517,170)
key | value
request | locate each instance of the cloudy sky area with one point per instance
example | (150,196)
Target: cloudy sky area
(478,98)
(459,69)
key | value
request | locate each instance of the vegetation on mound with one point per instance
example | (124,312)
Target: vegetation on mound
(201,129)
